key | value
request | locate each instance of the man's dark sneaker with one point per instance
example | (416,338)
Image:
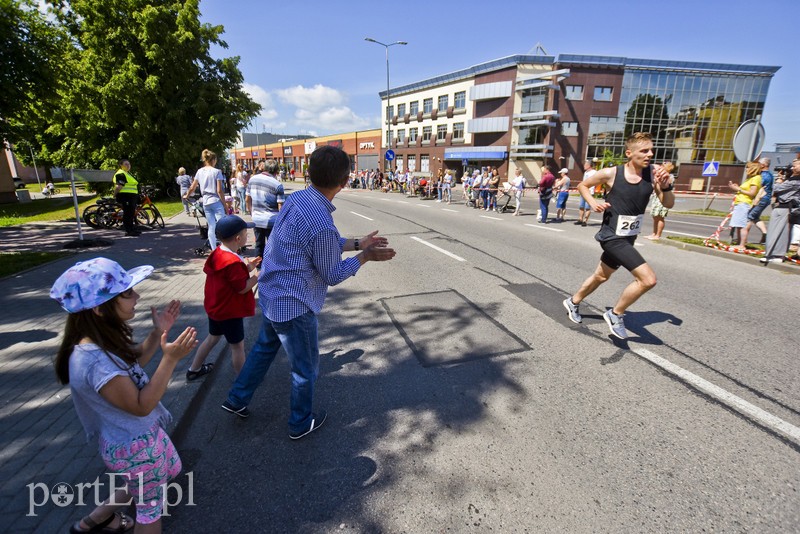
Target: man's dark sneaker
(242,412)
(615,324)
(316,421)
(584,224)
(572,311)
(577,223)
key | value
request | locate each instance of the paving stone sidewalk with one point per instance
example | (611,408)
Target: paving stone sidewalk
(42,440)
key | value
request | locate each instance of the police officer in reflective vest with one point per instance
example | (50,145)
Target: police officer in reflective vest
(127,193)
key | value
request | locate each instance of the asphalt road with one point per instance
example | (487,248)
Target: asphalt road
(460,397)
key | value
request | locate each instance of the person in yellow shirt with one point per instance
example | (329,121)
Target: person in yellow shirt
(126,191)
(743,201)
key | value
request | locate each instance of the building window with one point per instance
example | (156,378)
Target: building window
(398,163)
(569,129)
(401,136)
(603,94)
(458,130)
(414,108)
(461,100)
(388,137)
(412,163)
(401,110)
(412,134)
(426,134)
(441,132)
(389,112)
(534,100)
(443,103)
(424,164)
(427,105)
(574,92)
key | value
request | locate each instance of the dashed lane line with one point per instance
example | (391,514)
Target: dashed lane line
(543,227)
(492,218)
(434,247)
(362,216)
(451,211)
(752,411)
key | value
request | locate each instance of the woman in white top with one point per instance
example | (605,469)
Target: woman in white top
(240,183)
(212,185)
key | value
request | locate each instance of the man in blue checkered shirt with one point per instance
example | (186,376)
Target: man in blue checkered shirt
(302,258)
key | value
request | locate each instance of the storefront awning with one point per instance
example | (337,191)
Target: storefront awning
(499,154)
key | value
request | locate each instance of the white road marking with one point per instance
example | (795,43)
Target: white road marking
(451,211)
(492,218)
(401,201)
(423,206)
(434,247)
(729,399)
(638,245)
(543,227)
(682,233)
(362,216)
(387,199)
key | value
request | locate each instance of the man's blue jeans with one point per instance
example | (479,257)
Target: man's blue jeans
(299,338)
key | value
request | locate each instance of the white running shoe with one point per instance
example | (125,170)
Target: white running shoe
(616,324)
(572,310)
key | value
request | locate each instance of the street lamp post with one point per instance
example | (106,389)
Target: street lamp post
(388,94)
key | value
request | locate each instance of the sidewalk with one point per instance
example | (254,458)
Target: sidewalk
(42,440)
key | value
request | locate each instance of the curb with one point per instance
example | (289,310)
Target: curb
(784,267)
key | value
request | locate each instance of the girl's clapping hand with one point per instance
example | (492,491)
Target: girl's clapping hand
(164,319)
(185,343)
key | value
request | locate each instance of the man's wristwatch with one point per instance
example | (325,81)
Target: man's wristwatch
(355,245)
(667,189)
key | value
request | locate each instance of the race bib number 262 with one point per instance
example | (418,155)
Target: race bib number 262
(628,225)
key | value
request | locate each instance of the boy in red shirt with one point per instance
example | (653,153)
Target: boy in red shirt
(228,295)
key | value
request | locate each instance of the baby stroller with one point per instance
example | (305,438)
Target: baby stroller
(196,208)
(504,196)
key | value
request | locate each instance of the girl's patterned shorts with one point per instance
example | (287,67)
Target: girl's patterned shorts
(148,463)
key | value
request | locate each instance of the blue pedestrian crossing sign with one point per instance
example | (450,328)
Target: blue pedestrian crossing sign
(711,168)
(389,155)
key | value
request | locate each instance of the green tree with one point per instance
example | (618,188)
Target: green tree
(648,113)
(30,69)
(143,85)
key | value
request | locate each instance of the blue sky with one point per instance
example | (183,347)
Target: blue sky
(307,62)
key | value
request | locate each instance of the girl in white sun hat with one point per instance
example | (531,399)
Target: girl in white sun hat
(117,403)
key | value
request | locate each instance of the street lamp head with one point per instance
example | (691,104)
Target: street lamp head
(401,42)
(370,39)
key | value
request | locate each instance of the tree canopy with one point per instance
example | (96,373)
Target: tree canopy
(138,81)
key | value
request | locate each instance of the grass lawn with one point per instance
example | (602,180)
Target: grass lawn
(713,213)
(14,262)
(62,209)
(699,241)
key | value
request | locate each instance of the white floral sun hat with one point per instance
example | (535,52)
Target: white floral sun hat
(92,282)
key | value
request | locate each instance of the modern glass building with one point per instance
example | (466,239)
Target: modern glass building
(692,109)
(528,111)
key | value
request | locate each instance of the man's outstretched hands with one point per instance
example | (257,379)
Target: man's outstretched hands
(375,248)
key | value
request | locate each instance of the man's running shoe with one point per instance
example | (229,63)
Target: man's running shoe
(572,311)
(615,324)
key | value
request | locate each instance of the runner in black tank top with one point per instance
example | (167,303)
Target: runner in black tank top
(623,213)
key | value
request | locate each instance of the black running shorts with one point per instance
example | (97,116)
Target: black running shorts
(620,252)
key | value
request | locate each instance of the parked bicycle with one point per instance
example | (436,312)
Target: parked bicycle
(107,213)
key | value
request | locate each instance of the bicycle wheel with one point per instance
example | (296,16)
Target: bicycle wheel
(142,218)
(90,216)
(157,218)
(110,216)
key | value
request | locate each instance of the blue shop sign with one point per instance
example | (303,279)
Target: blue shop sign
(501,154)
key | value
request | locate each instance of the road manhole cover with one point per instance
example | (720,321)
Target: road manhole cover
(444,327)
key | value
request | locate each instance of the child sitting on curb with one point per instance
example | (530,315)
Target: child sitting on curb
(228,295)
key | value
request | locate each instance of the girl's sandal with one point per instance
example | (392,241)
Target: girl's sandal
(125,524)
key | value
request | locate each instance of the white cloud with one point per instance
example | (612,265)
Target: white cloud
(336,118)
(311,98)
(261,96)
